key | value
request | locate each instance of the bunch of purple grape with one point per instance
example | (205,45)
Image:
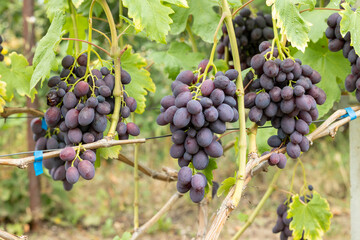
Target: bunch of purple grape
(250,32)
(286,94)
(196,110)
(283,222)
(1,48)
(79,101)
(336,43)
(54,140)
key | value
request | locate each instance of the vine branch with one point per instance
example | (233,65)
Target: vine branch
(168,205)
(167,175)
(7,236)
(93,44)
(8,111)
(24,162)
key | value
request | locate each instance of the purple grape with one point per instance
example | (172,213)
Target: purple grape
(86,169)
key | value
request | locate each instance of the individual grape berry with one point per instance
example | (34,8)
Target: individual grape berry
(67,61)
(67,154)
(72,175)
(86,169)
(82,60)
(52,116)
(133,129)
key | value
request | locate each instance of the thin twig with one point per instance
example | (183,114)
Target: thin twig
(245,4)
(168,205)
(103,34)
(24,162)
(102,49)
(162,176)
(100,19)
(259,206)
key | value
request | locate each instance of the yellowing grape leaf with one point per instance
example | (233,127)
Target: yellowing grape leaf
(312,218)
(17,77)
(141,81)
(179,56)
(331,66)
(179,3)
(44,59)
(351,23)
(2,95)
(290,22)
(205,19)
(152,16)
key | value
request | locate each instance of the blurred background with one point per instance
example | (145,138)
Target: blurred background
(103,207)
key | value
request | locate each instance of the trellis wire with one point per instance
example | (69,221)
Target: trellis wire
(148,138)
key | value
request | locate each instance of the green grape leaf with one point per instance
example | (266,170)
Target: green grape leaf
(152,16)
(235,3)
(85,6)
(351,23)
(244,72)
(55,6)
(290,21)
(17,77)
(208,171)
(331,66)
(108,152)
(44,59)
(141,81)
(77,3)
(82,25)
(179,56)
(179,3)
(312,218)
(226,185)
(179,18)
(221,65)
(2,95)
(205,19)
(318,20)
(336,3)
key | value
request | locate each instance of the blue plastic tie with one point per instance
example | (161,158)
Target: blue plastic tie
(38,163)
(43,124)
(349,113)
